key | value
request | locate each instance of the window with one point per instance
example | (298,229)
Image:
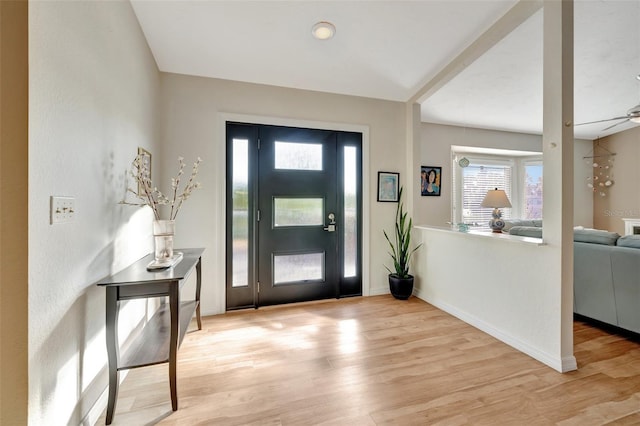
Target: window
(288,211)
(477,179)
(240,201)
(532,196)
(350,213)
(518,173)
(298,156)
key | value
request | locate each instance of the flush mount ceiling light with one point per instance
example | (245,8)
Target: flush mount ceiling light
(323,30)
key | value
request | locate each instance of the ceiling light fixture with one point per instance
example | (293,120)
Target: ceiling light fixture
(323,30)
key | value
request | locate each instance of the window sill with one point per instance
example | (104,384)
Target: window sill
(486,234)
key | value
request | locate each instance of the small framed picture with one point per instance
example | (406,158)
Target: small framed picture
(430,181)
(388,184)
(145,158)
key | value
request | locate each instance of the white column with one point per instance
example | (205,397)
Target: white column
(558,160)
(412,176)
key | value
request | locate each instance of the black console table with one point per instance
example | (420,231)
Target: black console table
(162,335)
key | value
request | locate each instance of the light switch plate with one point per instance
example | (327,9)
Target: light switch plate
(63,209)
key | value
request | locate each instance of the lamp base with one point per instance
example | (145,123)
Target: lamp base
(496,223)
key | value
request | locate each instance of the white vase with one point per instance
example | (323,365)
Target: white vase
(163,231)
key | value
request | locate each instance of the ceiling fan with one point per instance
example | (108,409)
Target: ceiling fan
(633,115)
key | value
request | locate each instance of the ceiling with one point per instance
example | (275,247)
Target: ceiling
(392,49)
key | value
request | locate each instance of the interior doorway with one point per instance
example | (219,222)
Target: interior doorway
(294,214)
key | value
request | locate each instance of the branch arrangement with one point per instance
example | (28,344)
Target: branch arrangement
(149,195)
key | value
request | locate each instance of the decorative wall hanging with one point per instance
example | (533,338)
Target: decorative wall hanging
(602,179)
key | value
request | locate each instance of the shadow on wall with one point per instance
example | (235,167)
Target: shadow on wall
(69,369)
(72,363)
(68,385)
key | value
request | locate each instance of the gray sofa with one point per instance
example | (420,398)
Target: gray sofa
(606,279)
(606,274)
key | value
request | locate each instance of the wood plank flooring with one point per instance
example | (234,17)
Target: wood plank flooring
(378,361)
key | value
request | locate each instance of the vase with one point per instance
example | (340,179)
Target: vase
(401,288)
(163,231)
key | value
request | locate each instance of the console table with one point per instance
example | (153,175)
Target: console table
(162,335)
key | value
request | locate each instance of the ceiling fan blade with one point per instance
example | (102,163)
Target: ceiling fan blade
(614,125)
(602,121)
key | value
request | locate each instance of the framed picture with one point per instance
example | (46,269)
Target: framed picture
(145,157)
(430,181)
(388,184)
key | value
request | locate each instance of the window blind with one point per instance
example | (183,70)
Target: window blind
(477,179)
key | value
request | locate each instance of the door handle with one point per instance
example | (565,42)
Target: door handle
(331,227)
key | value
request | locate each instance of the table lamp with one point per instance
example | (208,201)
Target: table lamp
(496,199)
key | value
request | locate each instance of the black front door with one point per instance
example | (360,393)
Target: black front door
(297,244)
(295,225)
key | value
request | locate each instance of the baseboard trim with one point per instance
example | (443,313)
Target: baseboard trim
(377,291)
(569,363)
(94,413)
(561,365)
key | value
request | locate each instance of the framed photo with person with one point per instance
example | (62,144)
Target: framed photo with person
(430,181)
(388,185)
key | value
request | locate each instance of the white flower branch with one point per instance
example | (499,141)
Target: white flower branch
(149,195)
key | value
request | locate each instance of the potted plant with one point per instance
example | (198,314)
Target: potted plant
(400,281)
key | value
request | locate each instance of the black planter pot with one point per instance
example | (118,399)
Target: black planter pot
(401,288)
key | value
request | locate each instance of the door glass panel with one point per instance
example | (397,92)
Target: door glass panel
(291,268)
(240,227)
(298,156)
(350,212)
(298,211)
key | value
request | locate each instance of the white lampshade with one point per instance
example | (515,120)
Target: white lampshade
(496,198)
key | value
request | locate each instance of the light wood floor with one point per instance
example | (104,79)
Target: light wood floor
(374,361)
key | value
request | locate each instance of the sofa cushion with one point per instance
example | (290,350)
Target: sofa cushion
(508,224)
(595,236)
(632,241)
(593,292)
(526,231)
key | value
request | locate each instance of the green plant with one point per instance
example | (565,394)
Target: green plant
(400,251)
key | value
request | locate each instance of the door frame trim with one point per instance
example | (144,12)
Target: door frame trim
(220,228)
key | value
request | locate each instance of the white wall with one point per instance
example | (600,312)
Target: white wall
(622,200)
(435,150)
(193,113)
(94,87)
(582,195)
(456,272)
